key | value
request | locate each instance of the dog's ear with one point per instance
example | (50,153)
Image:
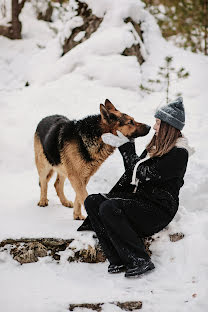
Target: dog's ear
(105,117)
(109,105)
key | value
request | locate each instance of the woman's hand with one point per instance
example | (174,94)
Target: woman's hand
(114,140)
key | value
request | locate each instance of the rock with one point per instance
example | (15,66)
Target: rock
(129,305)
(28,250)
(90,255)
(147,242)
(39,249)
(176,236)
(92,306)
(56,257)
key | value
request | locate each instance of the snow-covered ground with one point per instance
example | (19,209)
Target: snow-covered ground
(74,86)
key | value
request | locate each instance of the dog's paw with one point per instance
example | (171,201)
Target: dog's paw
(79,217)
(43,203)
(68,203)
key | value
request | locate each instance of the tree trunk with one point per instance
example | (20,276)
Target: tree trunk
(206,28)
(6,31)
(16,24)
(90,25)
(46,16)
(14,31)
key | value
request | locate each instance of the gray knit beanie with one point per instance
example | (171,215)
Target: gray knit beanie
(173,113)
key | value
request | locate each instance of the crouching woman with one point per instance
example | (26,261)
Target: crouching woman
(146,198)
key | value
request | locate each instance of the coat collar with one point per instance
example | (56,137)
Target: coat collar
(182,142)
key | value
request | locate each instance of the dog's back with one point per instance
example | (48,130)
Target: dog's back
(54,132)
(49,132)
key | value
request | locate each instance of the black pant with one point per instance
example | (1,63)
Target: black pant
(120,225)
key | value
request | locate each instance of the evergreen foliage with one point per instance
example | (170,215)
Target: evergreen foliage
(185,21)
(166,74)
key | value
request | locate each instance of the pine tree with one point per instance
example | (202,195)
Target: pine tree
(167,73)
(184,20)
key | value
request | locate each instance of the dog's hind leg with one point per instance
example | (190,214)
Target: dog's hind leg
(59,186)
(44,177)
(45,171)
(49,175)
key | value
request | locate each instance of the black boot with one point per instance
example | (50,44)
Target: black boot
(86,225)
(139,268)
(116,268)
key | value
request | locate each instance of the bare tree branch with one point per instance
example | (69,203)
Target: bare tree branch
(21,4)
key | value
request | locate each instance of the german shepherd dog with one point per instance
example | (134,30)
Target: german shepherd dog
(75,150)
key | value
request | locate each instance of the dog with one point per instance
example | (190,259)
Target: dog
(75,150)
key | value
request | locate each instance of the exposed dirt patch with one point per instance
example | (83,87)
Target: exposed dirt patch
(90,255)
(176,237)
(28,250)
(126,306)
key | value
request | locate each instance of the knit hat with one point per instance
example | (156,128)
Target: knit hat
(172,113)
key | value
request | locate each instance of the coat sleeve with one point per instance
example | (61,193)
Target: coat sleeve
(128,152)
(171,165)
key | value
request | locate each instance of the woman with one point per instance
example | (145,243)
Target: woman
(146,197)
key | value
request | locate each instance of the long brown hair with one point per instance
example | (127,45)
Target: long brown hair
(164,141)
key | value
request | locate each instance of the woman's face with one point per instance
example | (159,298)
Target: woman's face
(157,125)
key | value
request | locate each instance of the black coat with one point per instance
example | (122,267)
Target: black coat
(160,178)
(157,193)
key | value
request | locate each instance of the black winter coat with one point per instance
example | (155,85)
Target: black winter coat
(156,196)
(160,178)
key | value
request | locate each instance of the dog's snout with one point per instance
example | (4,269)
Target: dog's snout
(148,127)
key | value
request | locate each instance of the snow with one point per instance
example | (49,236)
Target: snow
(75,85)
(79,36)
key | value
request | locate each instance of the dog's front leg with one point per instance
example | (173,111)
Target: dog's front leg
(79,201)
(78,209)
(81,194)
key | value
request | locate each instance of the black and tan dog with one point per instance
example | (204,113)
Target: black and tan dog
(75,150)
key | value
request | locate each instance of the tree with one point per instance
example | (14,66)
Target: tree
(13,30)
(167,73)
(185,21)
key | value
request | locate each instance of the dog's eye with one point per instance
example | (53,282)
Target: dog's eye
(131,122)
